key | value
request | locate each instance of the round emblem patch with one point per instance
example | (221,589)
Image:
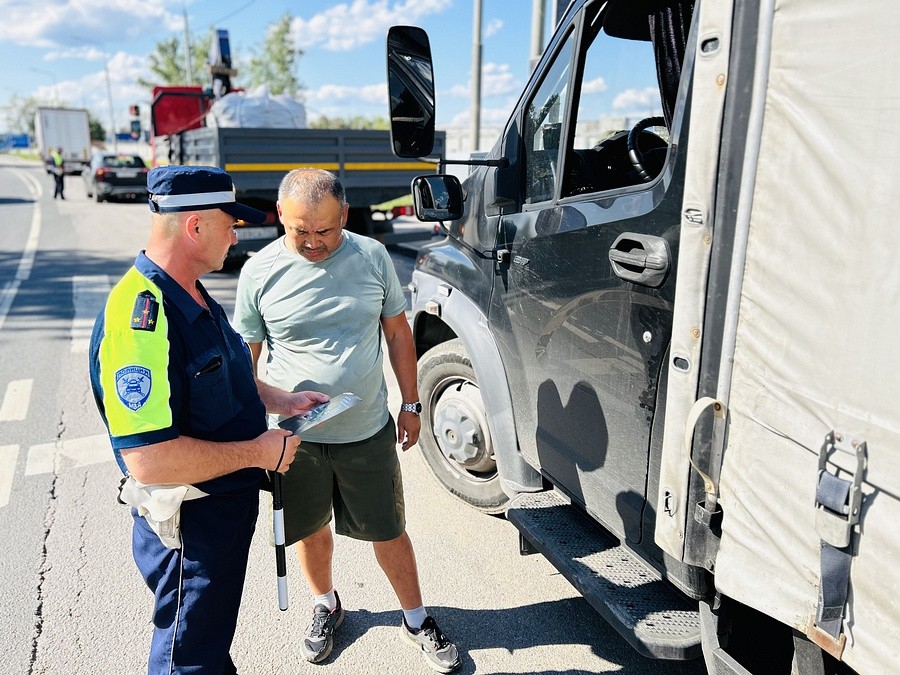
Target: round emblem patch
(133,386)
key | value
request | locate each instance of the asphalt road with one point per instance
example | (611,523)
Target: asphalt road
(72,600)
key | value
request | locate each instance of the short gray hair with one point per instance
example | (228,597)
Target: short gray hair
(170,222)
(311,186)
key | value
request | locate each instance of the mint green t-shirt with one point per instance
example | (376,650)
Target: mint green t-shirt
(321,322)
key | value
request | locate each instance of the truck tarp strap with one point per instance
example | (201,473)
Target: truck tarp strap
(838,501)
(834,585)
(834,562)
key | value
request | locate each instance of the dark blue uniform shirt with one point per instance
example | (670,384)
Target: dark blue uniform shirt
(162,366)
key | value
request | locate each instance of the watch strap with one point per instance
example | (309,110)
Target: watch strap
(415,407)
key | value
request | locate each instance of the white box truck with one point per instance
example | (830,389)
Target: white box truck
(66,128)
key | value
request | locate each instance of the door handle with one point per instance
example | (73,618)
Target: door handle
(640,258)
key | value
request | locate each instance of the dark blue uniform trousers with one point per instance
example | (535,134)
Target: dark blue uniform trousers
(197,588)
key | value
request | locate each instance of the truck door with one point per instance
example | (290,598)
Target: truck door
(585,335)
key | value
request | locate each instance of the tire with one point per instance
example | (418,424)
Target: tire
(97,196)
(455,439)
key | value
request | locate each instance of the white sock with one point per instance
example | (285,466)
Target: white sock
(328,600)
(415,617)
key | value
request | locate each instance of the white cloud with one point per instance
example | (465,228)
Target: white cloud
(459,90)
(493,116)
(90,91)
(335,93)
(349,25)
(594,86)
(81,53)
(62,23)
(632,99)
(334,100)
(496,80)
(493,27)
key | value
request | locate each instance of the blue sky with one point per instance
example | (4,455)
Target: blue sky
(56,49)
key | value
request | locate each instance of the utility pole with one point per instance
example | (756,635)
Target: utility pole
(537,32)
(109,97)
(475,122)
(112,117)
(187,46)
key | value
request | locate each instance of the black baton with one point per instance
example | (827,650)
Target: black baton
(278,522)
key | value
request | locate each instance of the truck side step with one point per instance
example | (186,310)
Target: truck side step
(655,618)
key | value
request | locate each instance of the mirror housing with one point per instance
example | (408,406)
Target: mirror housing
(411,91)
(437,197)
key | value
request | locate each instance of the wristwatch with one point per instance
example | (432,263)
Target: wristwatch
(411,407)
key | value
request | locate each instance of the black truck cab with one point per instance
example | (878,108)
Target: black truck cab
(541,360)
(591,363)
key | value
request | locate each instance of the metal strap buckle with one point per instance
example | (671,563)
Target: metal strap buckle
(838,498)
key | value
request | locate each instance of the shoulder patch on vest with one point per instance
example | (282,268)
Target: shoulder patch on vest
(145,312)
(133,385)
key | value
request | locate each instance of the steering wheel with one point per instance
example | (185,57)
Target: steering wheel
(634,153)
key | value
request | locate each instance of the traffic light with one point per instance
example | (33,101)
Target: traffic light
(135,111)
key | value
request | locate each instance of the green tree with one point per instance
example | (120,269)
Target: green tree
(168,65)
(20,112)
(355,122)
(98,133)
(275,63)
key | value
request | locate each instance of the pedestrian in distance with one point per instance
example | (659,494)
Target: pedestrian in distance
(322,299)
(58,169)
(187,422)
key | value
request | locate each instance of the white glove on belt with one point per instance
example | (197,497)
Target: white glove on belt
(160,506)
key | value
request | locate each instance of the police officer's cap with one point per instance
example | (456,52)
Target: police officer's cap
(176,188)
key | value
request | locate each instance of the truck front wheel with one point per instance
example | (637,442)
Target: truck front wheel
(455,439)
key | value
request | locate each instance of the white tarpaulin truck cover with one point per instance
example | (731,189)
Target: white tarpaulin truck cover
(818,335)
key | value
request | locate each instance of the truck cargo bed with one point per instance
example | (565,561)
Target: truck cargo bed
(257,159)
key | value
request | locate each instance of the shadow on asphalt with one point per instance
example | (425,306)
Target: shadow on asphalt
(517,628)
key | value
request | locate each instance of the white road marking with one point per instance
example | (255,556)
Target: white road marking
(40,459)
(16,400)
(8,456)
(26,262)
(82,451)
(89,295)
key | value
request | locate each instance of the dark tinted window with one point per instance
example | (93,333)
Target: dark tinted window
(122,161)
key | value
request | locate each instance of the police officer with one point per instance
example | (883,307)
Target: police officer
(58,169)
(186,418)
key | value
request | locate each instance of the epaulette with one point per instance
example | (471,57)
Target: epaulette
(146,309)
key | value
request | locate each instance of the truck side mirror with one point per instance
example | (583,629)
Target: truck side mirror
(411,90)
(437,197)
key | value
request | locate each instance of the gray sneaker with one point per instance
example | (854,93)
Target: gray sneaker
(439,653)
(319,637)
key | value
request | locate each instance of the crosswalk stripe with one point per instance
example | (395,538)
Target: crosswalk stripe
(40,459)
(89,294)
(8,456)
(16,400)
(82,451)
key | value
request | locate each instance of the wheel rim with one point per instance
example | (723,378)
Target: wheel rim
(460,429)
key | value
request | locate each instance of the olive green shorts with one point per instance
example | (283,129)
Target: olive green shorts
(359,482)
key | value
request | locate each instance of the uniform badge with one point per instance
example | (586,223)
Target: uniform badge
(146,309)
(133,386)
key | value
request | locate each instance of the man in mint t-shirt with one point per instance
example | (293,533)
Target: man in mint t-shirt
(322,299)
